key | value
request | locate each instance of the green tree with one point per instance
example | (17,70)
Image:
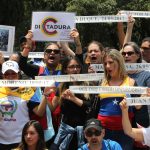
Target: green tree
(19,13)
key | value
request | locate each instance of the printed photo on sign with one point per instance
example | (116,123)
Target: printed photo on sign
(52,26)
(7,38)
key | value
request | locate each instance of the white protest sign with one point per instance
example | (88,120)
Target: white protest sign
(72,77)
(104,18)
(129,66)
(36,55)
(26,83)
(138,66)
(108,89)
(52,26)
(31,54)
(136,14)
(138,101)
(97,67)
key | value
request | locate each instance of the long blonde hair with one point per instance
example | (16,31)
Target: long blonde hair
(115,55)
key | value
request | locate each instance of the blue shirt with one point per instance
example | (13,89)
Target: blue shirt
(106,145)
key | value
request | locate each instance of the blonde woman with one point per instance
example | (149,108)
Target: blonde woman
(110,112)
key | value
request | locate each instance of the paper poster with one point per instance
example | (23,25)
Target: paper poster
(52,26)
(7,34)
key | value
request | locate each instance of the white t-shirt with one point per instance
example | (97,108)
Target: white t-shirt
(14,115)
(146,135)
(14,112)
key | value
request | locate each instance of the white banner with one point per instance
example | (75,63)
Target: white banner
(136,14)
(104,18)
(52,26)
(108,89)
(138,101)
(26,83)
(31,54)
(138,66)
(129,66)
(72,77)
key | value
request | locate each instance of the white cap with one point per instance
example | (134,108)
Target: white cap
(10,65)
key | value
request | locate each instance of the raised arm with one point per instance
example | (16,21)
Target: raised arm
(66,49)
(130,25)
(124,38)
(41,108)
(135,133)
(75,35)
(26,46)
(121,34)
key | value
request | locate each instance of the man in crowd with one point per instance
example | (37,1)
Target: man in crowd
(145,48)
(94,133)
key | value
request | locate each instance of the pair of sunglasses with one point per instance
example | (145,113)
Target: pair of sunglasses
(90,133)
(55,51)
(127,53)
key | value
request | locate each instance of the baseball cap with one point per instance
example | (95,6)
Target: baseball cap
(93,123)
(10,65)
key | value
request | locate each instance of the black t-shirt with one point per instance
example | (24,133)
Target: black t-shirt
(73,114)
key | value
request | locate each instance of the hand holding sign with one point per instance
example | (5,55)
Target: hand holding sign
(123,105)
(148,91)
(52,26)
(28,37)
(68,95)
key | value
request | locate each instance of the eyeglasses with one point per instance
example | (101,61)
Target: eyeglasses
(74,66)
(127,53)
(55,51)
(90,133)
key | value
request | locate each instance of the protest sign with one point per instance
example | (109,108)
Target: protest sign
(138,101)
(136,14)
(98,19)
(7,34)
(52,26)
(73,77)
(26,83)
(108,89)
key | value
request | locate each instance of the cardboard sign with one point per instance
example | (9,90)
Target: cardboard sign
(52,26)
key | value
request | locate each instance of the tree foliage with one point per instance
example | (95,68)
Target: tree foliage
(19,13)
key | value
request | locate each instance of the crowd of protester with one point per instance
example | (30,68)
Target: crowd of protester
(55,118)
